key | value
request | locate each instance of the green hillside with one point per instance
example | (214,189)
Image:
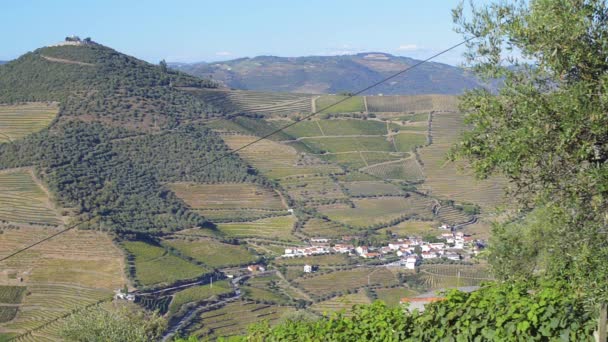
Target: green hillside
(100,156)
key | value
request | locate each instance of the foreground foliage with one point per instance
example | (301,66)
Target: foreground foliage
(122,324)
(512,311)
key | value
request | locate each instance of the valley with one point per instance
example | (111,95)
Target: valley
(167,212)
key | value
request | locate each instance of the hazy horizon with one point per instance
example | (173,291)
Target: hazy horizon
(190,31)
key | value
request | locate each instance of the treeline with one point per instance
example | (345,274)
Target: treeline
(118,176)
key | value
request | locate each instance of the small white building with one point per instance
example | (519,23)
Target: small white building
(307,268)
(362,250)
(429,255)
(452,256)
(411,262)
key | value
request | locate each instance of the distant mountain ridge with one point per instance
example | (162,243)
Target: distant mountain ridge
(334,74)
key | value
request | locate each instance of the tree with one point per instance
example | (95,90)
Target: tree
(163,65)
(546,129)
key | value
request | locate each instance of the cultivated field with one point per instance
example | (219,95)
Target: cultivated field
(411,103)
(444,179)
(344,280)
(17,121)
(235,318)
(372,188)
(349,144)
(65,273)
(264,295)
(312,188)
(405,142)
(341,304)
(279,228)
(227,196)
(406,169)
(354,104)
(230,201)
(413,228)
(198,293)
(23,201)
(212,252)
(285,161)
(239,101)
(445,276)
(317,227)
(370,211)
(154,265)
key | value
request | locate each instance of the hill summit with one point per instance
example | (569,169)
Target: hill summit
(335,74)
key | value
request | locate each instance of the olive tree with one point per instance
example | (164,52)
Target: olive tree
(545,129)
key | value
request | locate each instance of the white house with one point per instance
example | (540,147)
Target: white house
(429,255)
(411,262)
(452,256)
(437,245)
(362,250)
(307,268)
(343,248)
(397,245)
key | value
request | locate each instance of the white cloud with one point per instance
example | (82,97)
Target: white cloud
(223,53)
(407,47)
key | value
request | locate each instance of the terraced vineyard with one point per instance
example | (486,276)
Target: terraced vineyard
(342,303)
(452,216)
(23,201)
(256,102)
(212,253)
(17,121)
(65,273)
(317,227)
(444,179)
(372,211)
(148,259)
(198,293)
(372,188)
(412,228)
(444,276)
(312,188)
(411,103)
(234,318)
(285,161)
(230,202)
(349,144)
(337,281)
(407,169)
(279,228)
(352,105)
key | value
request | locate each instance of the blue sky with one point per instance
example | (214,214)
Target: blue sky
(190,31)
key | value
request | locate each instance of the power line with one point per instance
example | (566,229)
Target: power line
(276,131)
(45,239)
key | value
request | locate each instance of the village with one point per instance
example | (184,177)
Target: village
(451,246)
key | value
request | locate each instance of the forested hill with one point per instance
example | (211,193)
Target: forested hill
(334,74)
(124,130)
(99,83)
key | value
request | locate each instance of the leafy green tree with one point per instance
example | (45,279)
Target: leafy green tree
(546,129)
(122,324)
